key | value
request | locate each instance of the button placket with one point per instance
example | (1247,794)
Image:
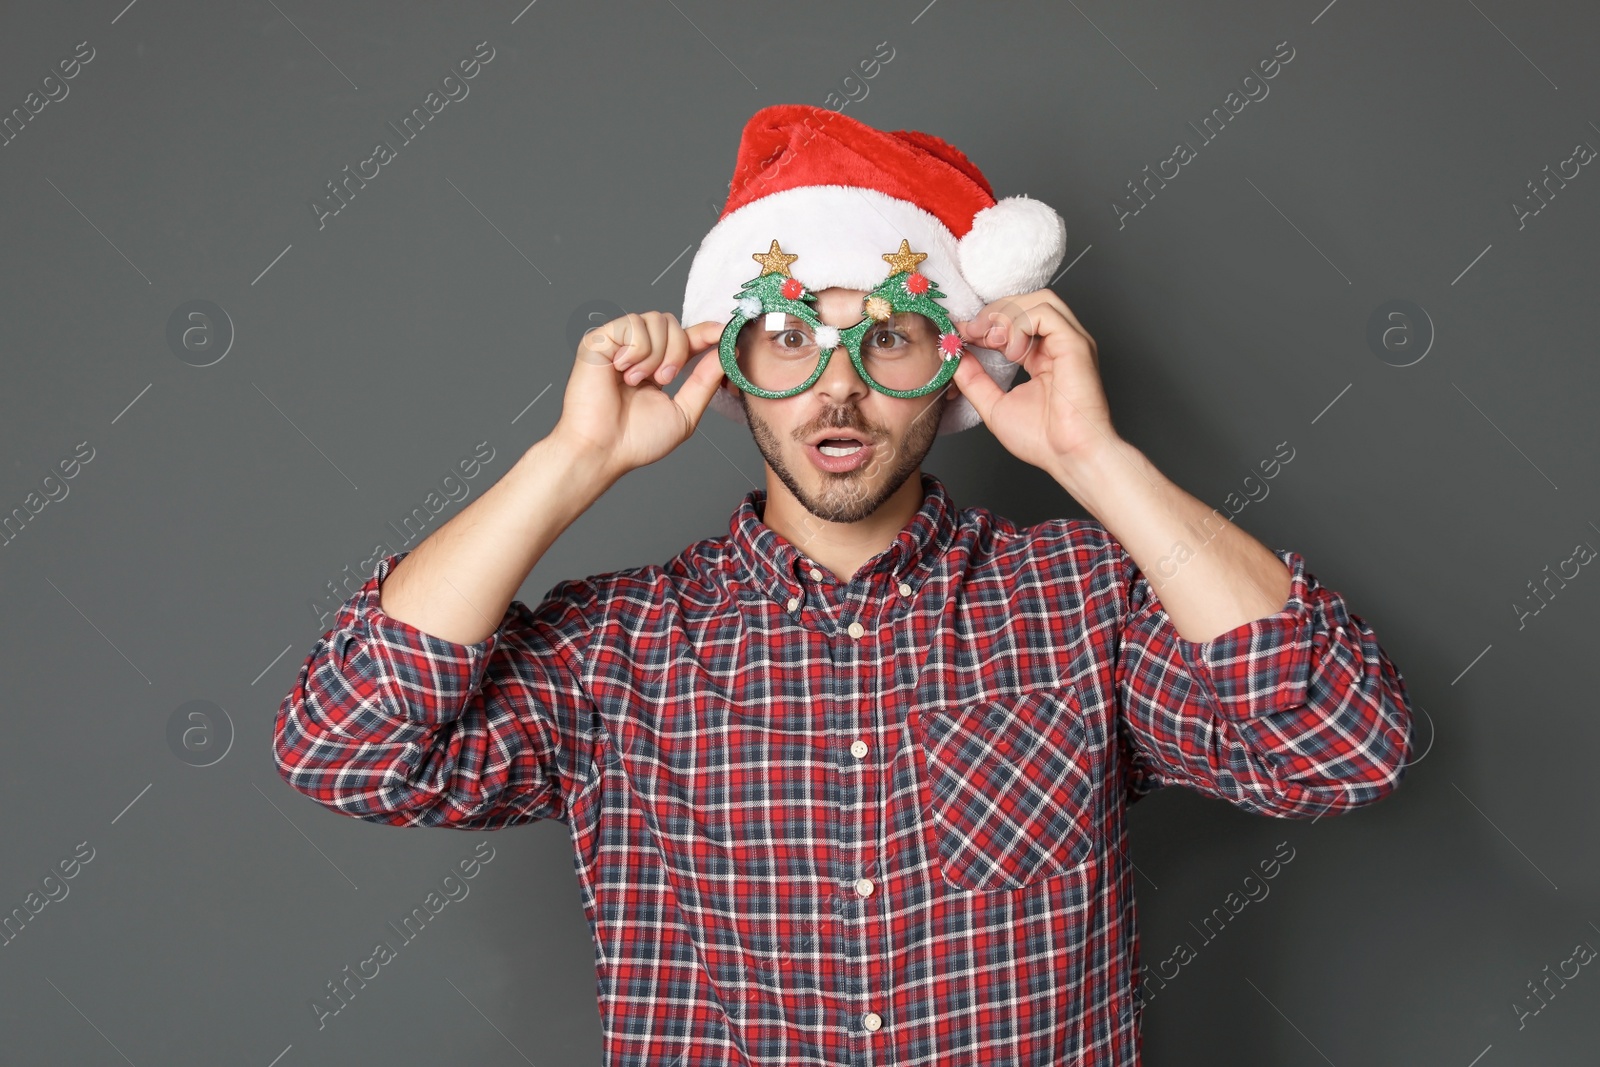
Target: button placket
(846,716)
(855,690)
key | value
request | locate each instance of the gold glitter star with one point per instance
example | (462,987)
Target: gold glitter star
(774,261)
(905,259)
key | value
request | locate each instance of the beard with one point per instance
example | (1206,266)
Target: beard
(853,495)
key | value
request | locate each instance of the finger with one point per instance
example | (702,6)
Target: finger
(1066,312)
(660,324)
(690,342)
(1049,296)
(1064,339)
(599,346)
(632,338)
(1052,298)
(701,384)
(989,325)
(997,316)
(672,357)
(607,347)
(1052,336)
(976,385)
(1012,330)
(988,328)
(623,331)
(647,347)
(1031,334)
(654,347)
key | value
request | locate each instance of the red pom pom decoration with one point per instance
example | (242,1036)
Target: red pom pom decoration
(916,283)
(792,289)
(950,344)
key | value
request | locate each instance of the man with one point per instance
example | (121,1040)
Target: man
(849,784)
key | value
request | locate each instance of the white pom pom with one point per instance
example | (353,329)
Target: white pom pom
(827,337)
(1014,246)
(749,306)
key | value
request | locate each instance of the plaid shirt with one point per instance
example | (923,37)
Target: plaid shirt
(878,821)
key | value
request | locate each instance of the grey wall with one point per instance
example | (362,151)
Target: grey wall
(361,358)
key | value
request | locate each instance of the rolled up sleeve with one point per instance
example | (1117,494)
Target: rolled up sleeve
(1294,714)
(390,724)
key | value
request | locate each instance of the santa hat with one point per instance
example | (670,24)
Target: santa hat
(839,194)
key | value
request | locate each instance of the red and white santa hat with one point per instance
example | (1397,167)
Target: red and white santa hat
(839,194)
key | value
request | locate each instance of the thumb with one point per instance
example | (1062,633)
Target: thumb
(976,385)
(701,385)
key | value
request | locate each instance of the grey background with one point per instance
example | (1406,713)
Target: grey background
(591,153)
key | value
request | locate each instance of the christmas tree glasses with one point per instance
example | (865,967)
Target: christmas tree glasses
(905,345)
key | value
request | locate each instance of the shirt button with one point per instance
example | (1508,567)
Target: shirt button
(858,749)
(863,887)
(872,1021)
(816,575)
(794,602)
(856,629)
(905,590)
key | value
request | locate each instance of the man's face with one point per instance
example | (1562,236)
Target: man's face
(896,434)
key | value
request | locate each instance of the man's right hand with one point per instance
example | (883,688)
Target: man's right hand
(615,407)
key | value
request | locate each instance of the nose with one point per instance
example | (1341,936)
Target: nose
(839,381)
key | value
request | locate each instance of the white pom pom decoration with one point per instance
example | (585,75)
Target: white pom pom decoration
(749,306)
(1014,246)
(827,337)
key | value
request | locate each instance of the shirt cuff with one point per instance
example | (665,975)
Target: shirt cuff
(1262,666)
(431,678)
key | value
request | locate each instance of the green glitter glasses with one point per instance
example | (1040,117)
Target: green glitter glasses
(775,346)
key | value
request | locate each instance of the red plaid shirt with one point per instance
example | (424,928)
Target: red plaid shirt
(869,822)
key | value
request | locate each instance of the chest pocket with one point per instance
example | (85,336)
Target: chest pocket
(1010,788)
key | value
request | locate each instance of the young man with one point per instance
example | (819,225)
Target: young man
(849,784)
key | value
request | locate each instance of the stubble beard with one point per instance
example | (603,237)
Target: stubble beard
(854,495)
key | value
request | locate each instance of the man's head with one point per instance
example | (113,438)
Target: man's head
(838,195)
(897,433)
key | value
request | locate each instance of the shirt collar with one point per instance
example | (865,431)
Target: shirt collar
(782,570)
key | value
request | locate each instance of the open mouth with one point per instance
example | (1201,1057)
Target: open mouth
(839,455)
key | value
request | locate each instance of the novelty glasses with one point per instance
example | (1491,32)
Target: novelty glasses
(776,346)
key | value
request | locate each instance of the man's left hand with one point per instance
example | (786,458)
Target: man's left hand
(1058,417)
